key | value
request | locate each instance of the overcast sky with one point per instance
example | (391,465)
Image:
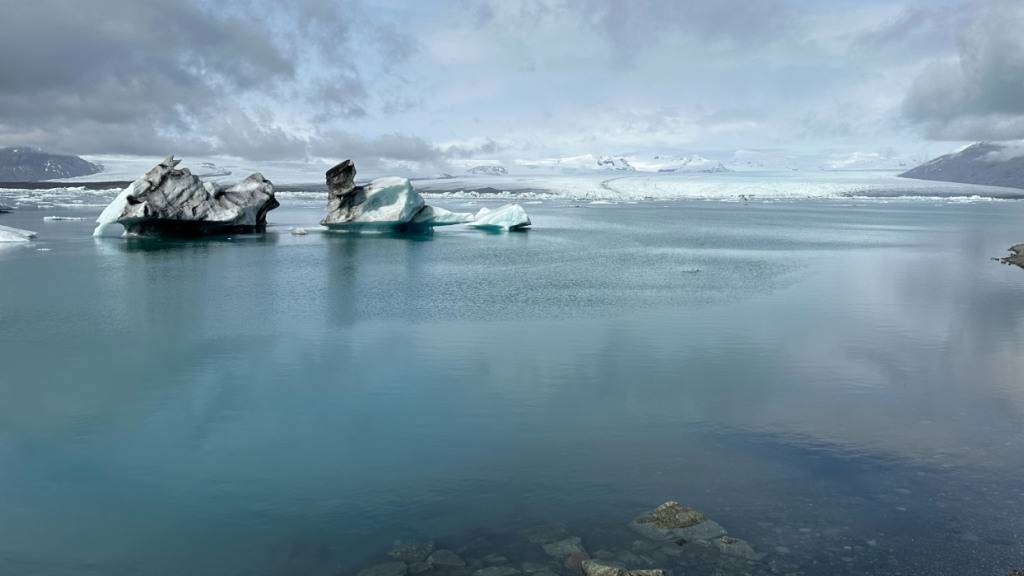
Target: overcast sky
(433,81)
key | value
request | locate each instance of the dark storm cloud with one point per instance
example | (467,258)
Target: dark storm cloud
(979,95)
(123,76)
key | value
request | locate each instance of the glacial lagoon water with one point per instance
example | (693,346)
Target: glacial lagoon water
(839,383)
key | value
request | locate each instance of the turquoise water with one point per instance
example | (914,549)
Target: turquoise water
(841,384)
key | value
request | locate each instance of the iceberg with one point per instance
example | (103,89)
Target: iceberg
(383,203)
(8,234)
(169,200)
(434,216)
(507,217)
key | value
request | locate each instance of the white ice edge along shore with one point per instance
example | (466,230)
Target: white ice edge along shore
(731,186)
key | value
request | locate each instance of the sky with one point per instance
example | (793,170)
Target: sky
(430,84)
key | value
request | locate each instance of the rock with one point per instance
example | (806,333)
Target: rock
(1016,257)
(168,200)
(495,559)
(533,567)
(8,234)
(673,521)
(735,547)
(446,559)
(575,561)
(507,217)
(546,533)
(604,555)
(595,568)
(562,549)
(420,567)
(411,552)
(1016,572)
(497,571)
(385,569)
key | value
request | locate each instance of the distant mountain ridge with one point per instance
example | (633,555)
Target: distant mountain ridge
(32,164)
(984,163)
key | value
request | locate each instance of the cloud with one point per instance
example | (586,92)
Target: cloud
(979,94)
(248,78)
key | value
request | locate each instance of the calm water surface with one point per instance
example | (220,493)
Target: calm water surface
(841,384)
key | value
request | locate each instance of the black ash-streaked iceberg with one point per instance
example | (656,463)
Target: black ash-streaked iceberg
(507,217)
(8,234)
(169,200)
(384,203)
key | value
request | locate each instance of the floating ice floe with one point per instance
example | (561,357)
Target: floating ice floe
(5,208)
(62,218)
(8,234)
(507,217)
(383,203)
(168,200)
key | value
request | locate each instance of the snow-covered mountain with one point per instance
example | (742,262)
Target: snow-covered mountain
(582,163)
(661,163)
(26,164)
(989,163)
(488,170)
(626,163)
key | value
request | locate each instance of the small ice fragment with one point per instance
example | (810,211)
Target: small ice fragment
(8,234)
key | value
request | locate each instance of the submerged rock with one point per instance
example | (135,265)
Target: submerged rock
(411,552)
(546,533)
(673,521)
(383,203)
(8,234)
(385,569)
(169,200)
(563,549)
(507,217)
(446,559)
(1016,258)
(497,571)
(595,568)
(735,547)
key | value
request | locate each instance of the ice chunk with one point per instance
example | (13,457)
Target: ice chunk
(8,234)
(106,222)
(434,216)
(507,217)
(171,200)
(384,202)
